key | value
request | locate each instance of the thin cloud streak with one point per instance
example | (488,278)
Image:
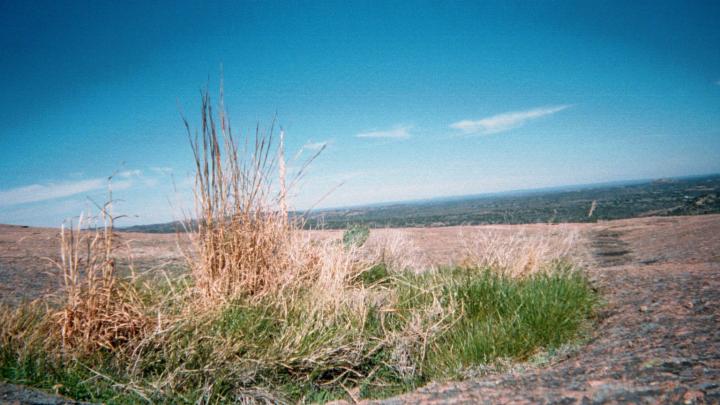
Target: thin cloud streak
(126,174)
(398,132)
(310,146)
(314,145)
(42,192)
(165,171)
(505,121)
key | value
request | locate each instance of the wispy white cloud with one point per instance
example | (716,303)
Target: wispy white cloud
(397,132)
(310,146)
(50,191)
(141,194)
(314,146)
(505,121)
(42,192)
(162,170)
(126,174)
(151,180)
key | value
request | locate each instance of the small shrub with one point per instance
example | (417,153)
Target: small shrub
(355,236)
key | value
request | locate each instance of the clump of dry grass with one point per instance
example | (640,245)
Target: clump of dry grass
(245,242)
(25,327)
(322,325)
(394,249)
(518,253)
(100,310)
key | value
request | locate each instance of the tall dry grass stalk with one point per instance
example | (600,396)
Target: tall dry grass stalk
(100,310)
(519,253)
(245,243)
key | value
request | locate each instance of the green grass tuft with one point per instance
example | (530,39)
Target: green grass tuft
(505,318)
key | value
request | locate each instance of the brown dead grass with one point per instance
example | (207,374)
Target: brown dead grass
(244,242)
(522,253)
(100,310)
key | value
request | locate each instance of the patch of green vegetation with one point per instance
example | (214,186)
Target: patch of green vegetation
(505,318)
(281,352)
(355,236)
(377,273)
(73,378)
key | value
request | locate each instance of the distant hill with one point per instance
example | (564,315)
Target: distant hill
(661,197)
(167,227)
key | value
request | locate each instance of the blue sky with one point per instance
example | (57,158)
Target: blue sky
(414,99)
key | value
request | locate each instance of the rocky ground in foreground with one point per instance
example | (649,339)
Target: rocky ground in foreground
(656,340)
